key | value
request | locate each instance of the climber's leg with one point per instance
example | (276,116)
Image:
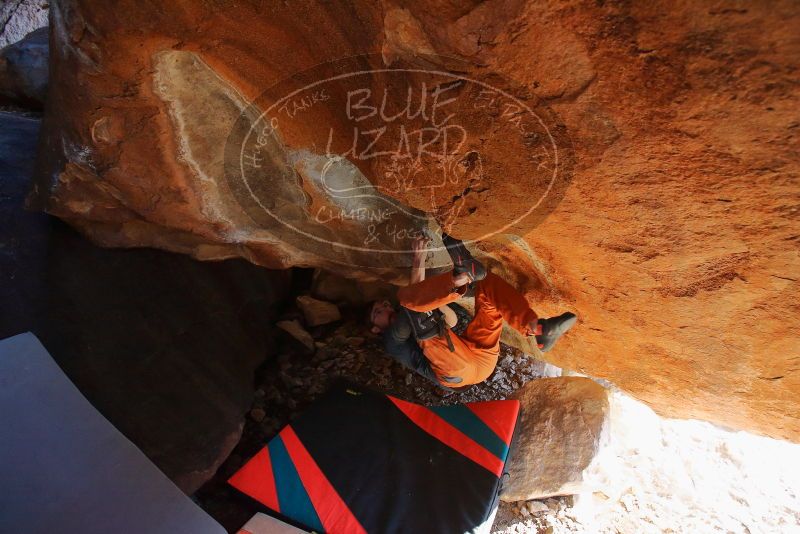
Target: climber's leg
(496,300)
(553,328)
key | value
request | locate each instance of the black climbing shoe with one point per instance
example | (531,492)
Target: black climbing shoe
(463,262)
(553,328)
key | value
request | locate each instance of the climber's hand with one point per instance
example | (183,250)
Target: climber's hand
(420,248)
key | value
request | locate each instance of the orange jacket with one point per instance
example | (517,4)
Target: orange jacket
(475,352)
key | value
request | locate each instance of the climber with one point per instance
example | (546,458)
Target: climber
(429,333)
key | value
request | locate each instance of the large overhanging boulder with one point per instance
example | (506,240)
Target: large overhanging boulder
(636,163)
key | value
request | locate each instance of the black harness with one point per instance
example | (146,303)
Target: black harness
(427,325)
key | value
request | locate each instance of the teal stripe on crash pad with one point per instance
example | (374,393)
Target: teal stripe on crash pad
(470,424)
(292,496)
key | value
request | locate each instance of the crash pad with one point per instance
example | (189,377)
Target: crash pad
(362,461)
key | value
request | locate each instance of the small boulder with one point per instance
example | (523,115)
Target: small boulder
(317,312)
(537,507)
(24,70)
(257,414)
(562,430)
(19,18)
(296,330)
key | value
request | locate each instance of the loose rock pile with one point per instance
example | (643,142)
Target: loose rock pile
(351,352)
(552,516)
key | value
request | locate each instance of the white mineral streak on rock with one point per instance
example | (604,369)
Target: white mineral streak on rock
(203,108)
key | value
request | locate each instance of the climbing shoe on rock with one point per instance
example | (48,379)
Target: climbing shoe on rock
(549,330)
(463,262)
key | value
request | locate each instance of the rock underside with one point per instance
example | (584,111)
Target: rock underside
(634,162)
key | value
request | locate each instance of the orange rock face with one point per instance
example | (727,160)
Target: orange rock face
(637,163)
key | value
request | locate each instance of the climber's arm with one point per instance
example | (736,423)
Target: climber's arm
(420,249)
(450,316)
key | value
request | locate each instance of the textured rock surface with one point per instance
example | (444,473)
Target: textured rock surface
(335,288)
(23,70)
(676,240)
(18,18)
(164,346)
(562,430)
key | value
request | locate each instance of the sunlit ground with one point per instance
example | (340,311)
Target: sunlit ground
(668,475)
